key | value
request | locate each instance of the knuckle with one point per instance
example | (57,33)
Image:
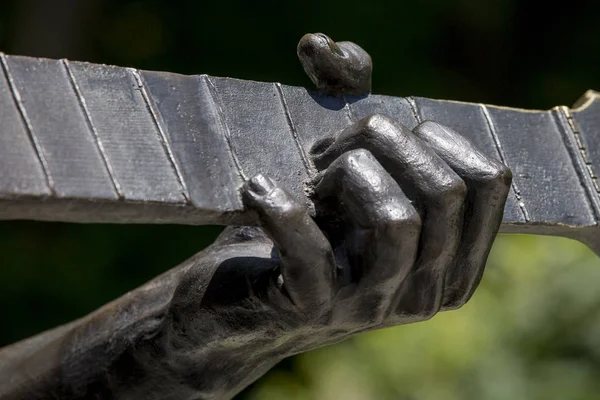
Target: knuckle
(279,197)
(376,125)
(454,304)
(399,220)
(356,159)
(428,308)
(429,313)
(461,292)
(453,192)
(500,175)
(416,315)
(376,120)
(281,202)
(292,210)
(429,125)
(423,298)
(456,300)
(413,219)
(494,174)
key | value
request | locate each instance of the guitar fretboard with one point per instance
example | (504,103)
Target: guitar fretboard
(93,143)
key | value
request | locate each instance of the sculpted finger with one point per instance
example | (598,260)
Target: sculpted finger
(384,234)
(436,190)
(488,183)
(307,264)
(341,67)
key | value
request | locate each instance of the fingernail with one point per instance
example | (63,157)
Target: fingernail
(260,184)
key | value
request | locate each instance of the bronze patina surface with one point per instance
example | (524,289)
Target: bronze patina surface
(366,211)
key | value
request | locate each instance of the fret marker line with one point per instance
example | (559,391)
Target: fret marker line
(515,188)
(349,112)
(310,169)
(582,150)
(161,133)
(88,118)
(415,110)
(28,125)
(212,89)
(578,154)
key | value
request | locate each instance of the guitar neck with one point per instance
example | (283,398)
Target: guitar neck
(82,142)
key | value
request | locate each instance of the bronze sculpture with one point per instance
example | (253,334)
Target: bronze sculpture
(420,210)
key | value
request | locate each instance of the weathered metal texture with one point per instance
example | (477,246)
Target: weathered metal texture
(583,127)
(196,134)
(72,162)
(91,143)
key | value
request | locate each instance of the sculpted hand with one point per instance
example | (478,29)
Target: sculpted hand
(405,221)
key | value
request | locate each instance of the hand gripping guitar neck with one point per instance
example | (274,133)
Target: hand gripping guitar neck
(84,142)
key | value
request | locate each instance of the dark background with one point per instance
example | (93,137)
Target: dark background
(531,54)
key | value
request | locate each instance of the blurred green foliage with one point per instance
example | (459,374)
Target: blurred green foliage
(532,330)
